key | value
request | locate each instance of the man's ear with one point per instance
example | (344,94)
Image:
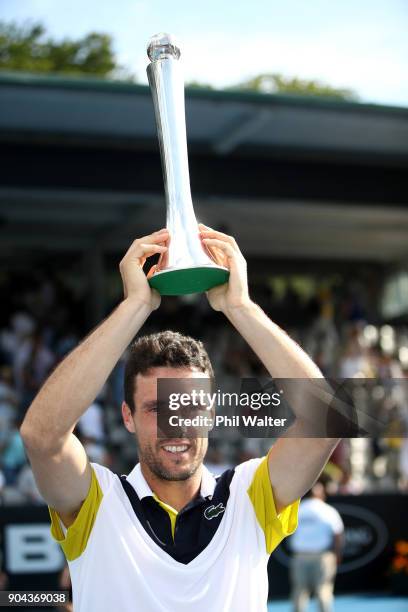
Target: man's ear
(128,418)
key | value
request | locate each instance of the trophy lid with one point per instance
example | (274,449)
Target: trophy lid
(162,46)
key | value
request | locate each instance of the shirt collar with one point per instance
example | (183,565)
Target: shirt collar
(139,483)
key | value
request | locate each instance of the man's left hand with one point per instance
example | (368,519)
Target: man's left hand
(225,252)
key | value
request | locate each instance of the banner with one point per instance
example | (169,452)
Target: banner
(31,558)
(373,523)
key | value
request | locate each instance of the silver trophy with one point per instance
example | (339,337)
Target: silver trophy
(186,267)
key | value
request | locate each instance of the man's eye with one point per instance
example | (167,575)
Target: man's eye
(162,406)
(202,407)
(197,407)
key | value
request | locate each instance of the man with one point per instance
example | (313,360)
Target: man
(317,546)
(169,538)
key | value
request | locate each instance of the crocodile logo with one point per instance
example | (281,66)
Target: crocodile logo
(214,511)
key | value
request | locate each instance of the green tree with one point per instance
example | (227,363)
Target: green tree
(29,48)
(277,83)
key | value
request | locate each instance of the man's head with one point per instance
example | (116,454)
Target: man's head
(166,354)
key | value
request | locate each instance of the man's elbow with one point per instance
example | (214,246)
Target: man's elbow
(36,441)
(30,437)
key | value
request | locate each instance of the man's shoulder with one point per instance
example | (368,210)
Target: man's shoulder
(104,476)
(239,477)
(245,472)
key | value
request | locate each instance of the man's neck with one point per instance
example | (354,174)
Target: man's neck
(175,493)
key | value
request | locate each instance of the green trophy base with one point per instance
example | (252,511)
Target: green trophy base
(194,279)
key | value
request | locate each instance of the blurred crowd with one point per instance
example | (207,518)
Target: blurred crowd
(42,320)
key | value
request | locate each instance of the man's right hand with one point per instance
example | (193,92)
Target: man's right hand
(135,281)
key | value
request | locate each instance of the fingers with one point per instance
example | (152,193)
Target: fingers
(215,254)
(159,236)
(208,232)
(144,247)
(224,246)
(153,243)
(152,271)
(141,250)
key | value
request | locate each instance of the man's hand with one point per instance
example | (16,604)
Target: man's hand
(225,252)
(135,281)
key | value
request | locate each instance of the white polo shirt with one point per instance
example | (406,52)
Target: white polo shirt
(116,563)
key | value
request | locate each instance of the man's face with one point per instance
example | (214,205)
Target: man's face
(169,459)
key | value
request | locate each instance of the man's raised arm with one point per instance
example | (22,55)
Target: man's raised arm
(59,462)
(294,462)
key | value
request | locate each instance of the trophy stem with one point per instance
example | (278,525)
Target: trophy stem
(167,86)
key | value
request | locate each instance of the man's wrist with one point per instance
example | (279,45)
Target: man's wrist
(242,309)
(134,303)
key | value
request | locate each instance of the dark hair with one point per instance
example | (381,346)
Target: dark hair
(163,349)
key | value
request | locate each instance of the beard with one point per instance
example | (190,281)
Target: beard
(158,467)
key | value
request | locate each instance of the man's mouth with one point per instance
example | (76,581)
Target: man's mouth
(175,448)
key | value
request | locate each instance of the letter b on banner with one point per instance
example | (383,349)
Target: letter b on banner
(30,549)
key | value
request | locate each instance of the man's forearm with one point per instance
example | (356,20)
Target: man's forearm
(304,386)
(281,356)
(77,380)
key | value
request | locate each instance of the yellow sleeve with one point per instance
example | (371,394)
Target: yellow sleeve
(74,542)
(275,526)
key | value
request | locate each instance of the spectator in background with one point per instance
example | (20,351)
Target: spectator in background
(12,456)
(21,325)
(403,459)
(91,424)
(7,392)
(8,404)
(27,486)
(322,339)
(91,430)
(2,485)
(215,462)
(34,365)
(316,546)
(67,342)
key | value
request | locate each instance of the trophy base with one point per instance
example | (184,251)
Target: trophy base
(183,281)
